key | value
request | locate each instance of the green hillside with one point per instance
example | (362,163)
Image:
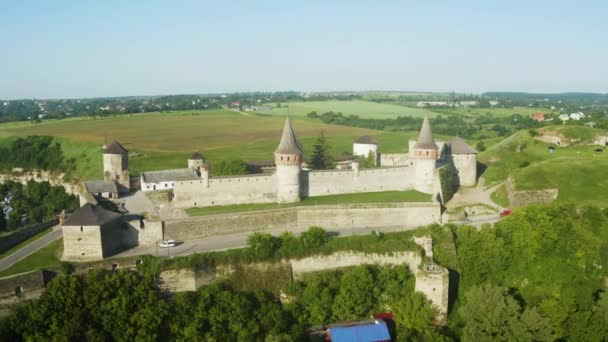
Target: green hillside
(576,170)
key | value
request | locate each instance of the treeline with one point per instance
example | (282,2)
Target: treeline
(453,125)
(127,306)
(36,110)
(34,153)
(537,275)
(32,203)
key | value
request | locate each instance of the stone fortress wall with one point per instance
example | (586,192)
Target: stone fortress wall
(225,191)
(380,215)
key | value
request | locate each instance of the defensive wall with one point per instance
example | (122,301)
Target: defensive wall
(225,191)
(368,215)
(433,282)
(8,241)
(22,287)
(333,182)
(521,198)
(263,188)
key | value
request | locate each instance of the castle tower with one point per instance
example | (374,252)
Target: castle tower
(465,161)
(425,158)
(288,159)
(197,163)
(116,165)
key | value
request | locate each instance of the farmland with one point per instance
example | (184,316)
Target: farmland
(165,140)
(363,109)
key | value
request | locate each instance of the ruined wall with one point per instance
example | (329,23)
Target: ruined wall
(521,198)
(435,286)
(225,191)
(7,242)
(600,140)
(318,263)
(19,288)
(381,215)
(321,183)
(55,179)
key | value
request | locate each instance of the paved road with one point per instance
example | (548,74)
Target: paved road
(224,242)
(30,249)
(477,221)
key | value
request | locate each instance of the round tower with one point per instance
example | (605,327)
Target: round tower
(116,165)
(425,158)
(288,161)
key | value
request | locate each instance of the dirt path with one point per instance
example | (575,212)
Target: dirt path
(476,195)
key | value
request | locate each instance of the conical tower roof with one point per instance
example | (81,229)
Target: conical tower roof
(289,143)
(425,139)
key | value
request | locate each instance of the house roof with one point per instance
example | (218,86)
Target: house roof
(289,143)
(459,146)
(169,175)
(425,139)
(366,139)
(196,156)
(99,186)
(360,333)
(115,148)
(91,215)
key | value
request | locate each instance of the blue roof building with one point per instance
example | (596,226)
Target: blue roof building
(368,332)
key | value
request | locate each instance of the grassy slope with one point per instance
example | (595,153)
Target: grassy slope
(47,256)
(370,197)
(363,109)
(577,171)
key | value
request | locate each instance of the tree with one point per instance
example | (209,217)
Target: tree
(490,313)
(321,156)
(263,245)
(314,237)
(355,298)
(480,146)
(3,223)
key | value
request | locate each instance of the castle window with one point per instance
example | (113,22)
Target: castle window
(18,290)
(287,158)
(81,229)
(281,157)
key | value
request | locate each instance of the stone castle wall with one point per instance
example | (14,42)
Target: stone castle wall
(225,191)
(7,242)
(406,215)
(321,183)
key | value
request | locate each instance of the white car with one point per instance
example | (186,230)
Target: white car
(167,243)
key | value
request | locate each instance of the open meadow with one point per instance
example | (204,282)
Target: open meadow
(165,140)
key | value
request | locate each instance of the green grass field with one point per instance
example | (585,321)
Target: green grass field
(497,112)
(370,197)
(363,109)
(47,256)
(165,140)
(576,170)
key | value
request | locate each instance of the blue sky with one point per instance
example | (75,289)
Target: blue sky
(53,49)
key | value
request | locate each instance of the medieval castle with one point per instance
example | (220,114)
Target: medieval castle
(195,187)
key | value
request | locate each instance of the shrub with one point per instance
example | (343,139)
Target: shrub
(263,245)
(314,237)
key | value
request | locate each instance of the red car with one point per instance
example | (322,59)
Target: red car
(505,212)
